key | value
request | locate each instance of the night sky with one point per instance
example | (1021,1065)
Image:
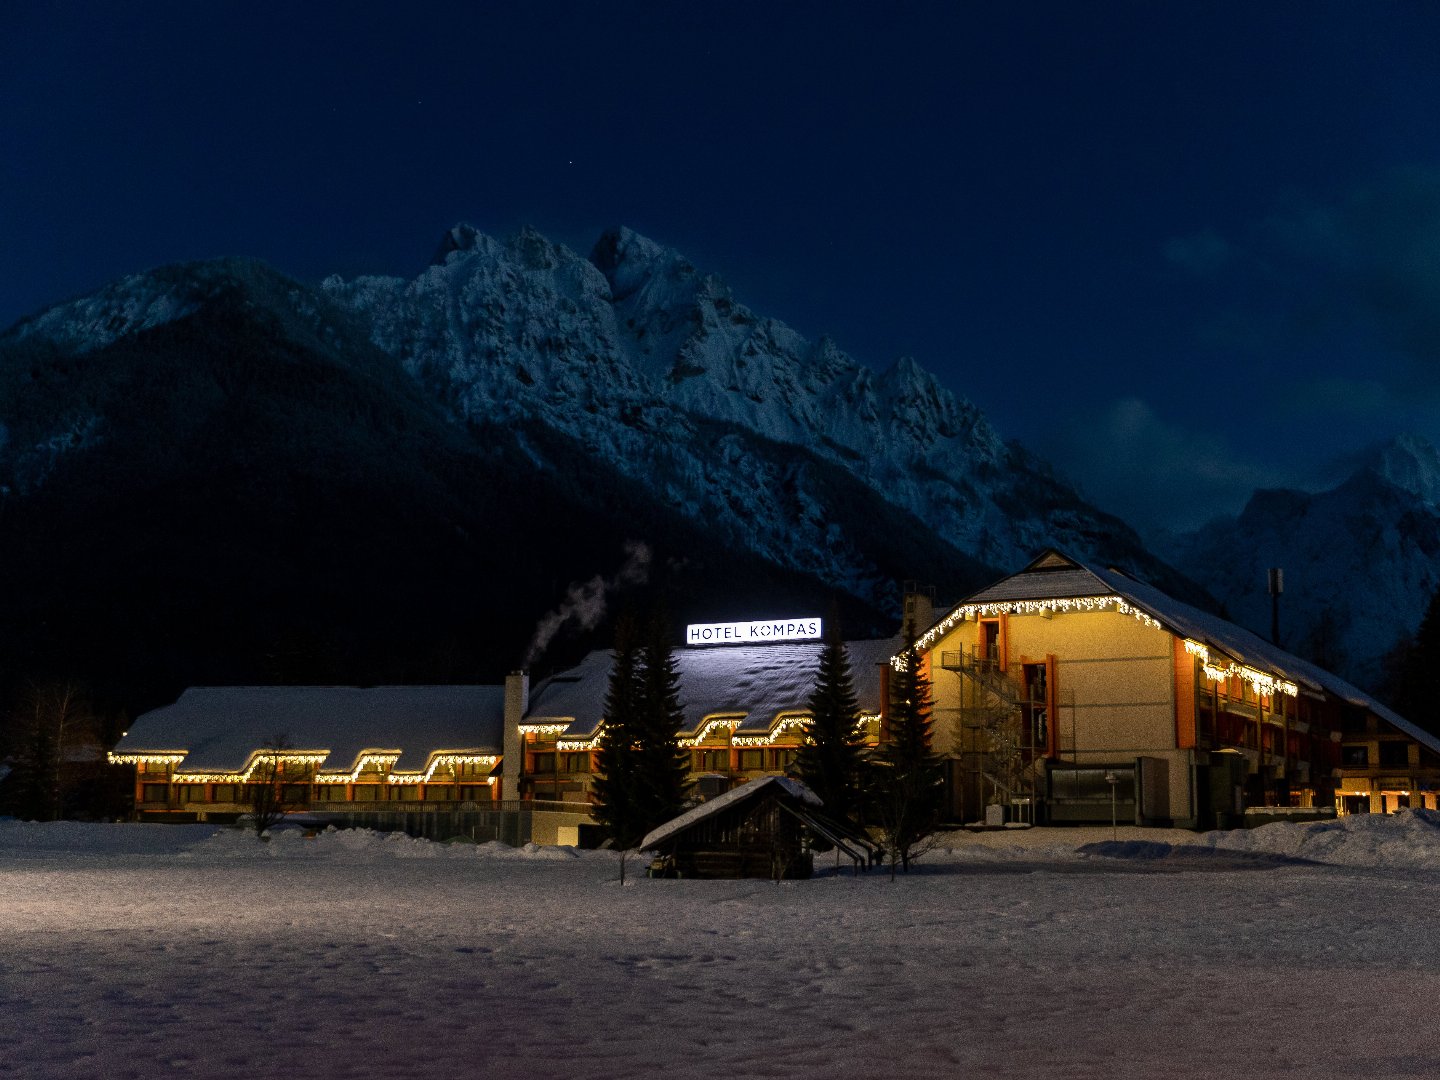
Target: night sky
(1182,249)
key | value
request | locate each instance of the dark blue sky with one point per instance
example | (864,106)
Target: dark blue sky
(1183,249)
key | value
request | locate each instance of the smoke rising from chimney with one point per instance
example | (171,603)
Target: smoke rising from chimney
(584,604)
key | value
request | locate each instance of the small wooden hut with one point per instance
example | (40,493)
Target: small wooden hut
(763,829)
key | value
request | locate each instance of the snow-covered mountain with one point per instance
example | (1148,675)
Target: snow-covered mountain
(1361,560)
(658,368)
(401,477)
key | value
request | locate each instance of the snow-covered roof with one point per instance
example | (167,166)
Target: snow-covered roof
(794,788)
(1056,576)
(219,727)
(1251,649)
(756,683)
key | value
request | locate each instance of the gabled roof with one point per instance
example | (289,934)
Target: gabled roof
(756,684)
(1051,575)
(1056,576)
(792,789)
(220,726)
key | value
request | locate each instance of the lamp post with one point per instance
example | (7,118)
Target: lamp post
(1112,780)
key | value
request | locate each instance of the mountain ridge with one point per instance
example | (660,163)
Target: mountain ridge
(625,349)
(514,408)
(1361,559)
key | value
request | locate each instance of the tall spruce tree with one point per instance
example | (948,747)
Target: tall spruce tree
(908,790)
(641,772)
(618,809)
(1414,695)
(663,781)
(832,761)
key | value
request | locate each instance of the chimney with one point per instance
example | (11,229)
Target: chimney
(919,607)
(517,703)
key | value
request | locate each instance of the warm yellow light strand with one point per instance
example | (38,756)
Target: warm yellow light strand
(1032,607)
(1262,682)
(729,723)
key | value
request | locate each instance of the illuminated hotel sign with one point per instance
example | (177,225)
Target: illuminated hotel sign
(752,633)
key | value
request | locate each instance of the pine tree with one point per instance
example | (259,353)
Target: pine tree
(908,791)
(618,758)
(663,781)
(1414,696)
(832,761)
(641,772)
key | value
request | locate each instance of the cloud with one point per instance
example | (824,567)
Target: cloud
(1157,475)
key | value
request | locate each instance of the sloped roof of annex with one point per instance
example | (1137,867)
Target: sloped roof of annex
(219,728)
(755,685)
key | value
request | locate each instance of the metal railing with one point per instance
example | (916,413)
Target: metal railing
(984,670)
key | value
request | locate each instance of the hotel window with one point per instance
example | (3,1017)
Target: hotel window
(575,763)
(712,760)
(1394,753)
(191,793)
(225,792)
(544,763)
(330,792)
(367,792)
(752,759)
(154,792)
(1355,757)
(782,759)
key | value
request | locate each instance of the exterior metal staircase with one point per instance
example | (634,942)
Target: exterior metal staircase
(985,672)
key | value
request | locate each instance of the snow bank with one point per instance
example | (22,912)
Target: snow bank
(1409,839)
(364,844)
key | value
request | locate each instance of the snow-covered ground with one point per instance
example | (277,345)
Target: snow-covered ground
(154,951)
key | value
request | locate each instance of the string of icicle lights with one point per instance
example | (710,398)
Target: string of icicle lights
(1262,683)
(548,728)
(156,757)
(790,723)
(1031,607)
(729,723)
(383,759)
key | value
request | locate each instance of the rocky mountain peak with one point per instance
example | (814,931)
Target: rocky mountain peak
(1411,463)
(458,239)
(629,260)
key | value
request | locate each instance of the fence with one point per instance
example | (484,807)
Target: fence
(510,823)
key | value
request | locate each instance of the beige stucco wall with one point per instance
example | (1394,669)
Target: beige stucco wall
(1114,684)
(550,827)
